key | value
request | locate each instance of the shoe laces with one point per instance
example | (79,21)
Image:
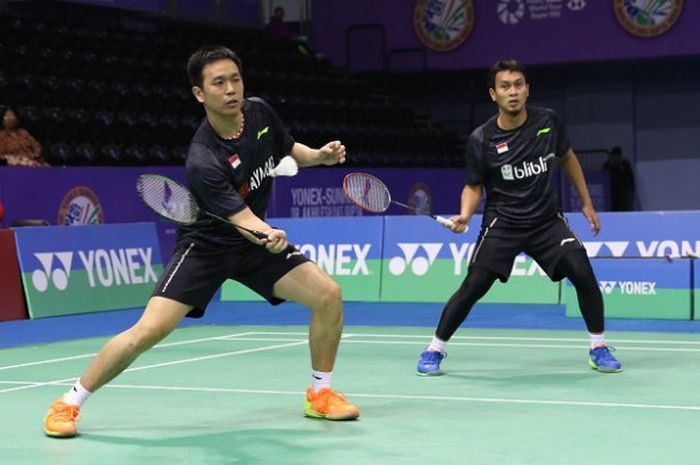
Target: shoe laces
(333,398)
(435,355)
(65,412)
(604,353)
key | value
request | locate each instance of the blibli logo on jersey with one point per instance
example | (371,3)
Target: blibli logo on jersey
(526,169)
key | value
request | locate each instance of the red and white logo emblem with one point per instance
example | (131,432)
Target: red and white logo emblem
(235,161)
(502,147)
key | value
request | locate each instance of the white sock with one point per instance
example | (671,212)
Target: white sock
(437,344)
(597,340)
(77,395)
(321,379)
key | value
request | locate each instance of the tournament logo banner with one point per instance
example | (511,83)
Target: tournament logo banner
(86,269)
(644,18)
(424,262)
(443,25)
(348,249)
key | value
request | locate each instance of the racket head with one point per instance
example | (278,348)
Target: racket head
(167,198)
(367,192)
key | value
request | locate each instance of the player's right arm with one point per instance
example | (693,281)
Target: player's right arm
(474,180)
(469,202)
(276,240)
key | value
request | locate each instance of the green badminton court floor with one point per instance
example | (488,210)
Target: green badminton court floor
(219,395)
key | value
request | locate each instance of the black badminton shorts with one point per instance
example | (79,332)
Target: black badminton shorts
(196,271)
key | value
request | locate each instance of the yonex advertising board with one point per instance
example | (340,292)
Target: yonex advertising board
(424,262)
(348,249)
(638,288)
(696,287)
(641,234)
(82,269)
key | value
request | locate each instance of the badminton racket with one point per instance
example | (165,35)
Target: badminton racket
(370,193)
(172,201)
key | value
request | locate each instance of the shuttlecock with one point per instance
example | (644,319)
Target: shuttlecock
(286,167)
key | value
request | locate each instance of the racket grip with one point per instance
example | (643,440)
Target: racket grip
(443,220)
(448,223)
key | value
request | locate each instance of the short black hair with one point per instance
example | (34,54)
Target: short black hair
(504,65)
(617,150)
(207,55)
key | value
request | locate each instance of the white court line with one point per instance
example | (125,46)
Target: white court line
(582,346)
(495,400)
(485,338)
(158,346)
(158,365)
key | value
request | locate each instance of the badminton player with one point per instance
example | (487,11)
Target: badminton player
(511,157)
(228,170)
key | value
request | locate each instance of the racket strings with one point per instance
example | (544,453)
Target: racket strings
(168,198)
(368,192)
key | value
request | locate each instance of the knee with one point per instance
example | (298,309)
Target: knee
(145,336)
(332,294)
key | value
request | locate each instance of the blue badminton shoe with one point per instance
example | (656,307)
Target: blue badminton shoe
(600,358)
(429,363)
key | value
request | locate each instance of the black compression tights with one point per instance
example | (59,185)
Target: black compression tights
(574,265)
(473,288)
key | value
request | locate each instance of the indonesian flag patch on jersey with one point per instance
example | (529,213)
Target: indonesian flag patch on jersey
(236,162)
(502,147)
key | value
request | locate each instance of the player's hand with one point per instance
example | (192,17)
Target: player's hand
(332,153)
(276,240)
(459,224)
(592,217)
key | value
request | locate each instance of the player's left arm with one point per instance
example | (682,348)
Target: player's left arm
(332,153)
(572,168)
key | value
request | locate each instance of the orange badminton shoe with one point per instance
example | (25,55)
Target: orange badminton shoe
(61,419)
(329,404)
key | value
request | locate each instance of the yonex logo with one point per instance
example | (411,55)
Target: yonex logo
(337,259)
(58,276)
(419,265)
(104,267)
(629,287)
(607,286)
(263,131)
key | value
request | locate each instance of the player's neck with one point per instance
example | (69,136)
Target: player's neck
(508,121)
(227,127)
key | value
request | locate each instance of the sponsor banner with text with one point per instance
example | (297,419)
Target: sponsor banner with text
(348,249)
(639,288)
(87,268)
(424,262)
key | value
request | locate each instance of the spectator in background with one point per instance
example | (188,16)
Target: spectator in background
(621,181)
(17,146)
(277,29)
(280,32)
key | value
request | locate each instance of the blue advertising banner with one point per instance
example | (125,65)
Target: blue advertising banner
(348,249)
(641,234)
(87,268)
(696,288)
(424,262)
(638,288)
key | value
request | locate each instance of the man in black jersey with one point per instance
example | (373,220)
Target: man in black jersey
(228,169)
(511,156)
